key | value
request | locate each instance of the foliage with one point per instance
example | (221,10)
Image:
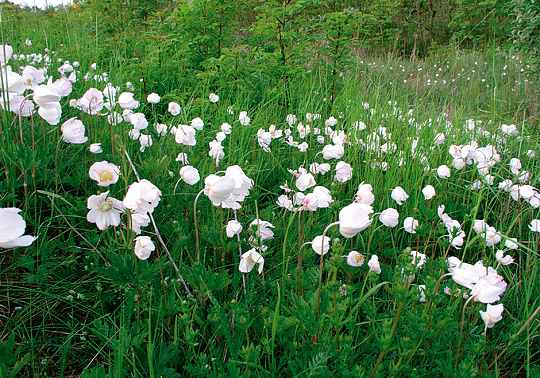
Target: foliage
(79,302)
(525,32)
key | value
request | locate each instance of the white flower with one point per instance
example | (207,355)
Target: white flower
(126,101)
(321,244)
(104,210)
(185,135)
(174,108)
(104,173)
(374,265)
(410,224)
(343,172)
(95,148)
(189,175)
(263,229)
(161,129)
(44,95)
(197,123)
(480,226)
(243,118)
(6,50)
(139,121)
(92,101)
(303,146)
(354,218)
(218,189)
(319,168)
(52,113)
(331,122)
(242,183)
(138,221)
(305,180)
(458,163)
(153,98)
(145,141)
(428,192)
(233,228)
(422,289)
(333,151)
(419,259)
(142,197)
(213,98)
(504,260)
(226,128)
(399,195)
(310,202)
(443,172)
(291,119)
(221,136)
(389,217)
(12,226)
(323,195)
(535,225)
(511,243)
(355,259)
(285,202)
(144,247)
(248,261)
(73,131)
(492,237)
(515,165)
(439,138)
(216,151)
(486,292)
(365,194)
(492,315)
(509,129)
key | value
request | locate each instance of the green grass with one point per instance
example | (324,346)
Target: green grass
(73,314)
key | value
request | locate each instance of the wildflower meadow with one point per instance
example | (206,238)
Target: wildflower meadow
(299,209)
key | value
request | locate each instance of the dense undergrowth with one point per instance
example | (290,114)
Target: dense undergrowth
(441,153)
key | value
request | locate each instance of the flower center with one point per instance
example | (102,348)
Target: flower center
(105,176)
(105,205)
(359,257)
(250,259)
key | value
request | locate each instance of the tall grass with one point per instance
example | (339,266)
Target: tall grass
(75,312)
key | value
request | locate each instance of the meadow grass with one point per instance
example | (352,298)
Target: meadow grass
(79,302)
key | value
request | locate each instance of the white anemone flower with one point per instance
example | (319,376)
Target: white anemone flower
(104,210)
(12,227)
(399,195)
(389,217)
(218,189)
(174,108)
(492,315)
(189,175)
(428,192)
(144,247)
(153,98)
(233,228)
(355,259)
(73,131)
(354,218)
(410,224)
(321,244)
(374,265)
(248,261)
(142,197)
(104,173)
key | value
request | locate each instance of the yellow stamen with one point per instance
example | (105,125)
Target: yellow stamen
(105,176)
